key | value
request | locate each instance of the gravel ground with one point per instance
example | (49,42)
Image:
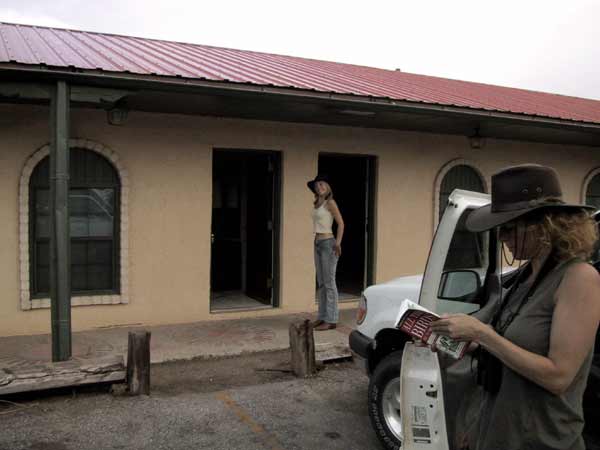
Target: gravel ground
(250,402)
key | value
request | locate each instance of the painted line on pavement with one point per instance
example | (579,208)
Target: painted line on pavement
(267,439)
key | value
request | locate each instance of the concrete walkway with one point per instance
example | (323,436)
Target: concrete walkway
(176,342)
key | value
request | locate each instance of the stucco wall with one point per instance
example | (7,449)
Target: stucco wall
(168,159)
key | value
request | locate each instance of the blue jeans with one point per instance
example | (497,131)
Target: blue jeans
(327,293)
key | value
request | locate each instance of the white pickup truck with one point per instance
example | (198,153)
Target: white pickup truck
(462,272)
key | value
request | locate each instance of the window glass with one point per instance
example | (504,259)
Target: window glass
(93,216)
(466,263)
(42,213)
(592,196)
(91,212)
(467,250)
(459,177)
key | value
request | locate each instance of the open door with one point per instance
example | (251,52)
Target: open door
(245,229)
(472,260)
(259,228)
(353,185)
(458,253)
(422,400)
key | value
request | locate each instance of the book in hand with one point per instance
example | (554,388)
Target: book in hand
(415,320)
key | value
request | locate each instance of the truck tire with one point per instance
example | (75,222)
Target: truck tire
(384,406)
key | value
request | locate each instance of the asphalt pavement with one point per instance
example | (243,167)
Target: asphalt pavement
(249,402)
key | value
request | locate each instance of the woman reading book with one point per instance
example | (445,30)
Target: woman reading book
(535,355)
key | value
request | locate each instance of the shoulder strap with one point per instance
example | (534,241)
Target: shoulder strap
(549,265)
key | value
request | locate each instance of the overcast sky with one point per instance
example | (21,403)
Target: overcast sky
(544,45)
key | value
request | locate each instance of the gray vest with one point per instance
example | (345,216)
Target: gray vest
(523,415)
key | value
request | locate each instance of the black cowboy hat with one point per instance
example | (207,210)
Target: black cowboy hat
(320,177)
(517,191)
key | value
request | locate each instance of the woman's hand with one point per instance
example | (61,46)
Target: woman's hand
(337,249)
(460,327)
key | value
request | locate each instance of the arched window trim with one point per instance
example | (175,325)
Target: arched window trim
(586,182)
(25,298)
(440,177)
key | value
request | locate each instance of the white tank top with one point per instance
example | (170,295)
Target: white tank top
(322,220)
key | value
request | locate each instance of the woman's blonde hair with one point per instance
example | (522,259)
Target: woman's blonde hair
(328,196)
(569,234)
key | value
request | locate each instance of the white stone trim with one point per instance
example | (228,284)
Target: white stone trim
(586,181)
(25,295)
(438,183)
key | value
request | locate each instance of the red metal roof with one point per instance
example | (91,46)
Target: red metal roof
(33,45)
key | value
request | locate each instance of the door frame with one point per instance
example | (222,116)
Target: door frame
(276,157)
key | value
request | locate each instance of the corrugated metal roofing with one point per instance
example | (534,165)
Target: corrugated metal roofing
(32,45)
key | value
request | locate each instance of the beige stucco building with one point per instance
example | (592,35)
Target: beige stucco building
(165,168)
(188,198)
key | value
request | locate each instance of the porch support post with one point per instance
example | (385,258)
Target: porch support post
(60,240)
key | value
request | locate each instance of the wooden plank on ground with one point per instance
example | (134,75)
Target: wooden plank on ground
(75,372)
(332,352)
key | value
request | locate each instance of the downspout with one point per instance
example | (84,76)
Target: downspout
(60,241)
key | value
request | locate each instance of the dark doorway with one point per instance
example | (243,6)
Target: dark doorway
(353,181)
(245,229)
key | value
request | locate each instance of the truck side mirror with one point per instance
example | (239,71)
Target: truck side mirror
(460,286)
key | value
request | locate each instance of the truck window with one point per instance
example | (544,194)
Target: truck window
(467,250)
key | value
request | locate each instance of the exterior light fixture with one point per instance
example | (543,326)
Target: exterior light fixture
(476,140)
(116,116)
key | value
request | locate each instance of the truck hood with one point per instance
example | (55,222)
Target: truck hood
(410,280)
(383,302)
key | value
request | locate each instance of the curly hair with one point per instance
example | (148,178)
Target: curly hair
(569,234)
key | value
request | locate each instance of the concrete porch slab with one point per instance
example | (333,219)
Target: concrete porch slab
(32,354)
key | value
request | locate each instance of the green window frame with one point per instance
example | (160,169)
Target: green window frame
(458,177)
(94,218)
(592,193)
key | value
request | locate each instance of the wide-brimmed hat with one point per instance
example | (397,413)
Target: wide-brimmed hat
(320,177)
(517,191)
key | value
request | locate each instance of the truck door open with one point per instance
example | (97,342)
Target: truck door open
(457,254)
(459,272)
(422,400)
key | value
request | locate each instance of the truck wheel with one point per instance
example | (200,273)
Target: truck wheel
(384,401)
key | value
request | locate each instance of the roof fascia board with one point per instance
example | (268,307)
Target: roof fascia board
(188,84)
(43,92)
(25,91)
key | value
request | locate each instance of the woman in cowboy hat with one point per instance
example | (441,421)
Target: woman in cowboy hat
(327,249)
(536,352)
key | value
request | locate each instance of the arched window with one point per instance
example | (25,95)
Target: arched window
(458,177)
(592,193)
(94,206)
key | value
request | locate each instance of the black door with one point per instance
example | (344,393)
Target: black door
(259,227)
(226,252)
